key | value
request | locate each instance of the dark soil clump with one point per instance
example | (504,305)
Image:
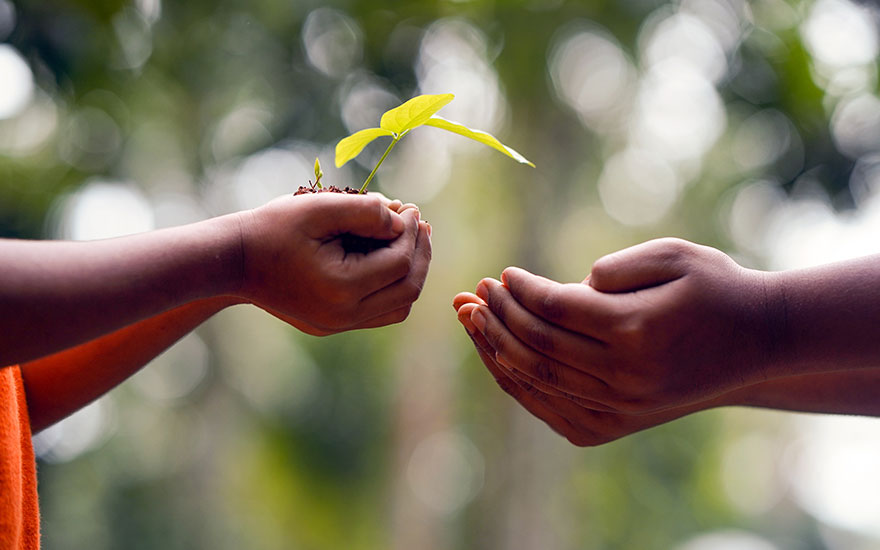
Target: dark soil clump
(352,244)
(303,190)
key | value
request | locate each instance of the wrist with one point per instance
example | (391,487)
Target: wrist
(773,330)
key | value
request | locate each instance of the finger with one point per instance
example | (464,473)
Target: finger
(641,266)
(391,204)
(574,306)
(333,214)
(578,424)
(511,387)
(406,290)
(536,365)
(549,390)
(463,298)
(565,346)
(376,270)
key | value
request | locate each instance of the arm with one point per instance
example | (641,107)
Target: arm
(587,423)
(60,384)
(285,257)
(667,328)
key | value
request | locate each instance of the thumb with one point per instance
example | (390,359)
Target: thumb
(362,215)
(641,266)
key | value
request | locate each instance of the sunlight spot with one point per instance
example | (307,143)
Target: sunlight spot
(679,113)
(268,174)
(686,39)
(102,209)
(83,431)
(446,471)
(135,38)
(637,187)
(751,212)
(728,539)
(839,33)
(855,125)
(240,131)
(18,82)
(332,41)
(176,372)
(592,74)
(834,472)
(90,140)
(31,129)
(364,99)
(762,138)
(748,475)
(453,59)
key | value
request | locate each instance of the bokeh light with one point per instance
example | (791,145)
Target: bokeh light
(748,126)
(18,82)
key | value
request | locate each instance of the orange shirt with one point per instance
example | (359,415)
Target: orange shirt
(19,508)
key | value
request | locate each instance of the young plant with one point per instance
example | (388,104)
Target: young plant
(318,175)
(398,122)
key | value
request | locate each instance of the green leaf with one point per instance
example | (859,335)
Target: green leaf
(318,174)
(350,147)
(477,135)
(413,113)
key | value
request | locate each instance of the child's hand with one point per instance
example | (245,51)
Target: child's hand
(294,264)
(657,327)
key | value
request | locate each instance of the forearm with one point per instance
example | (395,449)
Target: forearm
(54,295)
(828,318)
(62,383)
(841,392)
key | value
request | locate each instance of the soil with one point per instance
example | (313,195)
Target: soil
(352,244)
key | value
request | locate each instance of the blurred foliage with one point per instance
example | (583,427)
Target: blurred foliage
(176,96)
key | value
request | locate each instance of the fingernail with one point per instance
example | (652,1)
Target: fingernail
(429,228)
(483,290)
(478,318)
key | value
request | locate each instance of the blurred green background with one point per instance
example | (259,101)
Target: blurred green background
(750,126)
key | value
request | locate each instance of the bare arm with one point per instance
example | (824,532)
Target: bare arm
(285,257)
(54,295)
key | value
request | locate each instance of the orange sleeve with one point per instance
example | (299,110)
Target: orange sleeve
(19,508)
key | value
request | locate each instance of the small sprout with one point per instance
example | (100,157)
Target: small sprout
(318,175)
(396,123)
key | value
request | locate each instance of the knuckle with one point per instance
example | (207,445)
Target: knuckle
(547,372)
(539,337)
(552,305)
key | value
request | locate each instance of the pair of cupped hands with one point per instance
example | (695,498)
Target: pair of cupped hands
(654,332)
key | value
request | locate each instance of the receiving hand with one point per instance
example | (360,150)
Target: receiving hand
(575,418)
(657,330)
(296,267)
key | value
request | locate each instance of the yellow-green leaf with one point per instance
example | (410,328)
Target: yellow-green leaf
(477,135)
(414,112)
(350,147)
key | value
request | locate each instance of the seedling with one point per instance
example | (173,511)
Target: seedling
(318,175)
(399,121)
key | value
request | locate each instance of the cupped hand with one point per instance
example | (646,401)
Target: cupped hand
(295,266)
(575,418)
(662,325)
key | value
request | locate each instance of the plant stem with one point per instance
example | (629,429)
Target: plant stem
(378,164)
